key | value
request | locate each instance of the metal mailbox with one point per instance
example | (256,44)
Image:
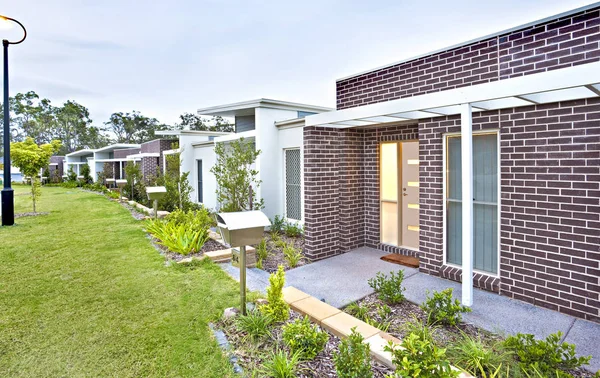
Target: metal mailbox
(155,193)
(121,184)
(242,228)
(238,230)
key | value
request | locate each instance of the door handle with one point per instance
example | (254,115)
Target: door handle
(404,194)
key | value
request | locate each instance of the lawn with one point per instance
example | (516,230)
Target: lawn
(83,293)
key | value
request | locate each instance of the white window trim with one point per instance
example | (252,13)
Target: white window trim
(196,181)
(284,182)
(444,191)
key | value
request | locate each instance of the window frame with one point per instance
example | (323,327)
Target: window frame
(285,213)
(445,137)
(199,180)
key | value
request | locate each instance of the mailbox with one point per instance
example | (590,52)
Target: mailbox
(238,230)
(155,193)
(242,228)
(121,184)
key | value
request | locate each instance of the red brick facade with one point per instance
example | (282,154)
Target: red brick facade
(549,161)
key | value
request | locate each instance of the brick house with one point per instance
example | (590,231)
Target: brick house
(481,158)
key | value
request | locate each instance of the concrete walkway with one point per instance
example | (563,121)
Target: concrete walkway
(342,279)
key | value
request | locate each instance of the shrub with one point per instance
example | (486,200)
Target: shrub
(276,307)
(135,189)
(178,238)
(200,218)
(305,338)
(292,229)
(71,176)
(85,172)
(358,311)
(261,253)
(417,327)
(419,357)
(353,359)
(390,289)
(256,325)
(277,224)
(548,356)
(478,358)
(281,365)
(443,309)
(292,255)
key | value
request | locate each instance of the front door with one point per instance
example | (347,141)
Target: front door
(399,194)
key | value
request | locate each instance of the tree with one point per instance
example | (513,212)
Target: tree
(192,121)
(133,127)
(235,176)
(30,159)
(72,126)
(177,185)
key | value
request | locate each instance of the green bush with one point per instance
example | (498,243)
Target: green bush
(358,311)
(419,357)
(390,289)
(182,232)
(277,224)
(548,356)
(292,255)
(256,325)
(85,172)
(442,308)
(281,365)
(479,359)
(305,338)
(72,176)
(276,307)
(353,359)
(197,219)
(292,229)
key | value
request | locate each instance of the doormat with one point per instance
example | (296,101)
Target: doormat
(395,258)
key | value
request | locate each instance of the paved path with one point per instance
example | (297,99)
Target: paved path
(342,279)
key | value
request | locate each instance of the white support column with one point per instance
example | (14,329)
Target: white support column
(466,140)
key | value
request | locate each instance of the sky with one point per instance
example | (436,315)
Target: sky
(164,58)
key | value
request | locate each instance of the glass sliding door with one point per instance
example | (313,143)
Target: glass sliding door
(485,201)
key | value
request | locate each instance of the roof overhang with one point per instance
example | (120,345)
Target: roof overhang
(118,146)
(189,132)
(227,138)
(112,160)
(290,123)
(246,108)
(565,84)
(81,153)
(142,155)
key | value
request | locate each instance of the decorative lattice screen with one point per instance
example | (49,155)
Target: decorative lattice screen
(293,180)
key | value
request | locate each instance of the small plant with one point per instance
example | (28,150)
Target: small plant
(420,358)
(292,255)
(390,289)
(292,229)
(443,309)
(281,365)
(256,325)
(417,327)
(383,325)
(478,358)
(280,243)
(261,253)
(548,356)
(276,307)
(384,311)
(305,338)
(277,224)
(358,311)
(353,359)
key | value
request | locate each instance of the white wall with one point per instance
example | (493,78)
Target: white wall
(208,157)
(270,162)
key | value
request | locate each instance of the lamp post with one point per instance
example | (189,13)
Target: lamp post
(8,204)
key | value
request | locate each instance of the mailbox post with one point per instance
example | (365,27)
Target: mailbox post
(154,194)
(121,184)
(110,182)
(240,229)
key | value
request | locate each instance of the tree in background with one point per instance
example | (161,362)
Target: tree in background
(133,127)
(235,176)
(31,158)
(192,121)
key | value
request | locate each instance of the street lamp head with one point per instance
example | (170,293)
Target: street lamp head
(6,21)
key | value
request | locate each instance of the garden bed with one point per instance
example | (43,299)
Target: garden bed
(210,245)
(251,355)
(397,323)
(275,256)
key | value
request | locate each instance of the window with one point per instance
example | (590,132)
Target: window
(485,201)
(199,187)
(293,181)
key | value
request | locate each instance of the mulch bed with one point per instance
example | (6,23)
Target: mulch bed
(444,335)
(276,258)
(252,354)
(210,245)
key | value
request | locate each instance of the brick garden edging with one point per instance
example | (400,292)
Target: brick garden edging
(340,324)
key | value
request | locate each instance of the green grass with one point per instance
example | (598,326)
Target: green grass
(83,293)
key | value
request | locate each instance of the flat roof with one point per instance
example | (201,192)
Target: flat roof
(247,107)
(475,40)
(289,123)
(118,146)
(81,152)
(190,132)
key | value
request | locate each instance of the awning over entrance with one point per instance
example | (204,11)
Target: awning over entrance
(565,84)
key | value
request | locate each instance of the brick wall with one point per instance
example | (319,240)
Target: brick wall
(121,154)
(150,168)
(556,44)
